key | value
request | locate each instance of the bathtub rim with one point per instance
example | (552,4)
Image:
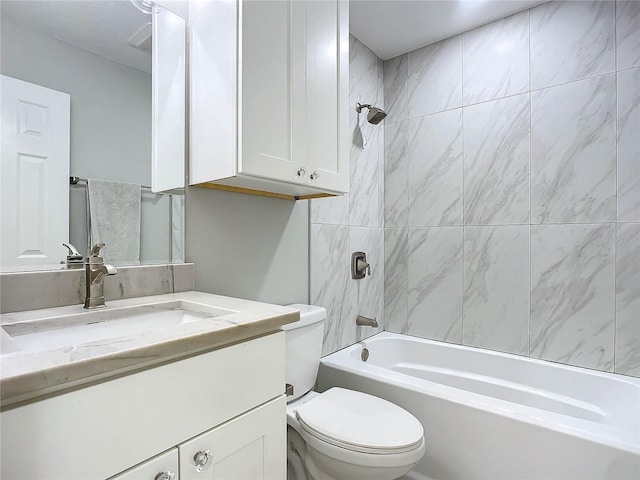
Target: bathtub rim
(577,427)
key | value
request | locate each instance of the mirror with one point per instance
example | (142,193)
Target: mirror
(99,53)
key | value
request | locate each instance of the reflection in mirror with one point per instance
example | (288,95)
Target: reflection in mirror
(98,54)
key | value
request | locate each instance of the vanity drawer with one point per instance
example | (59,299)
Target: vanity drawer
(101,430)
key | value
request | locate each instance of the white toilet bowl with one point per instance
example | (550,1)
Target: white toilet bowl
(342,435)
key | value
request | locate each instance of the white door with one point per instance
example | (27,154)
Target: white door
(34,174)
(249,447)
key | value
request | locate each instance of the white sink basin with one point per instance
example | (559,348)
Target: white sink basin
(91,326)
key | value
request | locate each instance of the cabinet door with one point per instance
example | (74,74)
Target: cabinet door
(162,467)
(326,37)
(270,62)
(249,447)
(295,90)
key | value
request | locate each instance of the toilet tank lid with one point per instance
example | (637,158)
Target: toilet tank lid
(309,314)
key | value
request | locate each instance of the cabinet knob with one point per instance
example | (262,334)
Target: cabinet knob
(314,175)
(165,476)
(201,460)
(301,172)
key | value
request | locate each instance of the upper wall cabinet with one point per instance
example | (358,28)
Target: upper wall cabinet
(168,106)
(269,85)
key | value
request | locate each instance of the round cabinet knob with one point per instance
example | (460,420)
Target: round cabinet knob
(202,460)
(301,172)
(314,175)
(165,476)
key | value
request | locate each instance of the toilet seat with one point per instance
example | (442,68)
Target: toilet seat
(360,423)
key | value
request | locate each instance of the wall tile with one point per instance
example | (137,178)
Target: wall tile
(571,41)
(46,289)
(629,145)
(496,161)
(184,277)
(395,279)
(367,294)
(396,174)
(496,288)
(496,59)
(364,68)
(436,169)
(138,282)
(395,89)
(329,282)
(435,77)
(332,210)
(21,291)
(573,153)
(364,172)
(435,283)
(573,294)
(628,299)
(380,179)
(628,33)
(336,221)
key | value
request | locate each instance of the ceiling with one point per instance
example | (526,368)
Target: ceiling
(388,27)
(102,27)
(393,27)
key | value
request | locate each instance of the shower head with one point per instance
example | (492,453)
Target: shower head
(375,114)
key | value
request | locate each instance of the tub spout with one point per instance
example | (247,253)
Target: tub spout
(366,322)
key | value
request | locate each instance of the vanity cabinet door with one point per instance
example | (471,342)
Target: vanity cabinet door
(252,446)
(162,467)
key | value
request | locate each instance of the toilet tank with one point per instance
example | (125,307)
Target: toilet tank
(303,340)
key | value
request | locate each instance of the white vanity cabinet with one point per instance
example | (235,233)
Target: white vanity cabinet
(247,447)
(162,467)
(228,401)
(269,96)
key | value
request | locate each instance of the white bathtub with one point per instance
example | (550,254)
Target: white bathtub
(494,415)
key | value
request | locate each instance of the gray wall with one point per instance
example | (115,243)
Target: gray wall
(346,224)
(248,246)
(512,187)
(110,124)
(110,103)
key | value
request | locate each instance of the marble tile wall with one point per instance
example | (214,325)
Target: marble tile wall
(350,223)
(512,186)
(31,290)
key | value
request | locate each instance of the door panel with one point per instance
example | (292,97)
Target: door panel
(267,107)
(153,468)
(327,80)
(35,173)
(249,447)
(168,107)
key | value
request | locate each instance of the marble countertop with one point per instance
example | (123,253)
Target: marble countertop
(28,373)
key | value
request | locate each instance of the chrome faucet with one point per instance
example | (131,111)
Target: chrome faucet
(95,271)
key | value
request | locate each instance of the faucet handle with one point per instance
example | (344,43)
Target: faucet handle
(95,251)
(73,251)
(73,258)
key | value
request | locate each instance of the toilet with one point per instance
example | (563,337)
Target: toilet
(340,434)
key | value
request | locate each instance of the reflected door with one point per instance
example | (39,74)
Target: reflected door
(34,175)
